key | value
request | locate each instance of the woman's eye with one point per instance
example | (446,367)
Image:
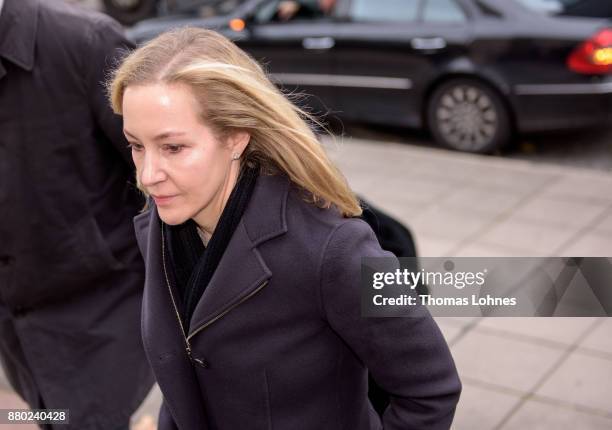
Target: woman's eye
(135,146)
(173,149)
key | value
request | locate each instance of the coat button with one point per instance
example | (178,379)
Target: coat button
(201,363)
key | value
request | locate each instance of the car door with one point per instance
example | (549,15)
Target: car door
(297,53)
(387,53)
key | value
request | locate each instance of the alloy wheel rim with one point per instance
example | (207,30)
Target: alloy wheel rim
(467,118)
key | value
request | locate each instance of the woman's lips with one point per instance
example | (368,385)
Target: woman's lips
(163,200)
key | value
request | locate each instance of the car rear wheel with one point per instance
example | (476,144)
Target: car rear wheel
(469,116)
(129,12)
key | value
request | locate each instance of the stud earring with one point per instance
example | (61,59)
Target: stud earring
(235,156)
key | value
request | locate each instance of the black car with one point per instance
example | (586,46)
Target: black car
(472,71)
(129,12)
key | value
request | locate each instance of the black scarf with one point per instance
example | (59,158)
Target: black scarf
(194,264)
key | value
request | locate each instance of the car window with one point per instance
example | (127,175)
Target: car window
(488,10)
(551,7)
(284,11)
(443,11)
(385,10)
(219,8)
(266,11)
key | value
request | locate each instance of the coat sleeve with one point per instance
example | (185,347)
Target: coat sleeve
(106,47)
(407,356)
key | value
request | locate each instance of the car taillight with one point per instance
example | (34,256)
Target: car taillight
(594,56)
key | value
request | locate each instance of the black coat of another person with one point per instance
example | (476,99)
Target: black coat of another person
(71,276)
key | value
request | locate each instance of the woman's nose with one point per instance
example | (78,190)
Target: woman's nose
(151,171)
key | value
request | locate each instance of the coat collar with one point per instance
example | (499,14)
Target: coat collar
(18,26)
(265,216)
(242,269)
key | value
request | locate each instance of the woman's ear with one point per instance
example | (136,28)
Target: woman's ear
(238,141)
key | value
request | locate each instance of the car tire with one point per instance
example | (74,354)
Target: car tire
(469,116)
(129,12)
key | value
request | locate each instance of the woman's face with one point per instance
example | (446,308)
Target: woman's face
(179,162)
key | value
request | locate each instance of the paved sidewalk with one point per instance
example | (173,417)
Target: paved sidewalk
(519,373)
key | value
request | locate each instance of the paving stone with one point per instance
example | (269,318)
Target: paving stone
(509,178)
(481,408)
(461,321)
(481,200)
(566,331)
(581,187)
(544,210)
(583,380)
(503,361)
(600,339)
(604,226)
(449,330)
(431,246)
(411,191)
(454,225)
(363,185)
(535,415)
(591,244)
(537,240)
(478,249)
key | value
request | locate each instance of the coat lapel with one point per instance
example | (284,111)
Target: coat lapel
(242,270)
(18,26)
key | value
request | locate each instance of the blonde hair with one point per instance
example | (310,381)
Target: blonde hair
(235,94)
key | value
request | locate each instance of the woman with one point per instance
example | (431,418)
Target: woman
(251,315)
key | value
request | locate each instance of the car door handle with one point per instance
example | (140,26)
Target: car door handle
(428,43)
(318,43)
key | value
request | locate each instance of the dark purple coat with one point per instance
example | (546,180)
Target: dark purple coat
(277,339)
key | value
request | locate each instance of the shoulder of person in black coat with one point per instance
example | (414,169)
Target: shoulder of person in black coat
(93,44)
